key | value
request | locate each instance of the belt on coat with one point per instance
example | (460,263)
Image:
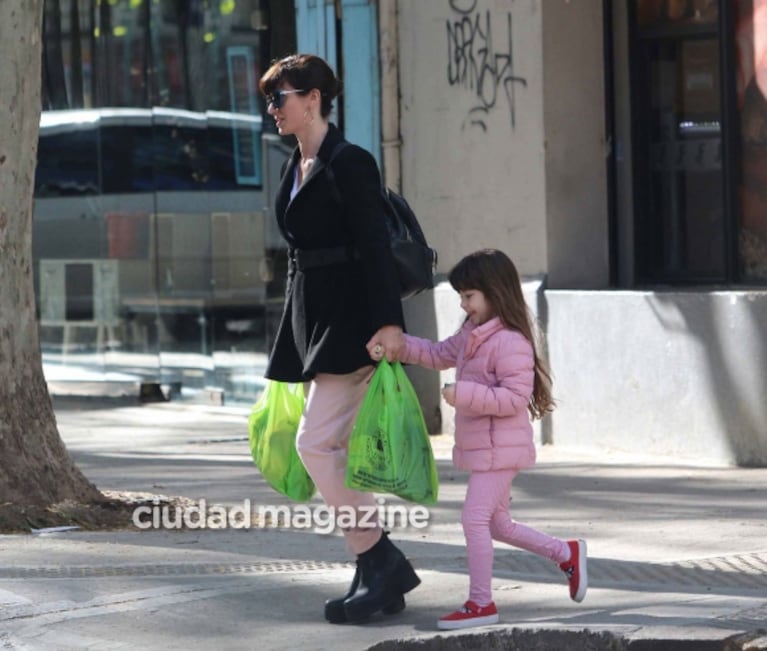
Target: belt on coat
(310,258)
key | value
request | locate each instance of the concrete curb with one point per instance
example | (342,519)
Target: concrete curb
(518,639)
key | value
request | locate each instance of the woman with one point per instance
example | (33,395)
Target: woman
(342,309)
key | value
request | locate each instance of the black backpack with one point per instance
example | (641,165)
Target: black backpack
(415,260)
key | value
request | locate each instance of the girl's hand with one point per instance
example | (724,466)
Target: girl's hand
(387,342)
(448,393)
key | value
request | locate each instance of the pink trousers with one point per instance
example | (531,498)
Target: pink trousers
(485,517)
(332,403)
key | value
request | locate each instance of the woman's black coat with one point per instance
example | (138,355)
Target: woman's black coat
(332,311)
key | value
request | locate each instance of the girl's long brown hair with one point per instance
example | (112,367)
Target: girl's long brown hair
(492,272)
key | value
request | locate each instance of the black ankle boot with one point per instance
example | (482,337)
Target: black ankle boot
(385,573)
(334,608)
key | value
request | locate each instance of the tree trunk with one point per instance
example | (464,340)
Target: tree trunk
(35,467)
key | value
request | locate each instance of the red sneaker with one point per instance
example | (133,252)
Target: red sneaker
(575,569)
(470,615)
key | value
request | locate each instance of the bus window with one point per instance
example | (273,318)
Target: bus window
(123,151)
(127,159)
(67,163)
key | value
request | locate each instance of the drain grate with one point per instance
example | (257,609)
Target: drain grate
(740,571)
(169,569)
(744,571)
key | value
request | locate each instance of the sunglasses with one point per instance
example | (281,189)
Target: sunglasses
(277,98)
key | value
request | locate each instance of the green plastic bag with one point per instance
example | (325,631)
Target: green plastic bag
(389,448)
(272,429)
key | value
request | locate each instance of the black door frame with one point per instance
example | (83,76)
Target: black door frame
(730,130)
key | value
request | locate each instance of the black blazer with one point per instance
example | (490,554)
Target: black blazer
(331,311)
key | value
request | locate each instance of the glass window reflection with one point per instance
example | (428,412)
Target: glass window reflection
(149,231)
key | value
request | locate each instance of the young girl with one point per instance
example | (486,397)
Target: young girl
(499,378)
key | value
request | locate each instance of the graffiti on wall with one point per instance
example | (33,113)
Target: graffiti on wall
(479,63)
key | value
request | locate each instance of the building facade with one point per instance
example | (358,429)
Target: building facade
(614,149)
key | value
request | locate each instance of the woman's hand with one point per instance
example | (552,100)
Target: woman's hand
(387,342)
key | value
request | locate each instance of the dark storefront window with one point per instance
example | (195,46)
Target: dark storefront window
(681,208)
(699,108)
(149,234)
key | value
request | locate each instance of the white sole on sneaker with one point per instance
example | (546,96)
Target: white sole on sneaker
(583,584)
(469,622)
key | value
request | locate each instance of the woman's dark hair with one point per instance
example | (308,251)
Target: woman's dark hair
(492,272)
(303,72)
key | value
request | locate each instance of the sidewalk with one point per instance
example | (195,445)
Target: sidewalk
(678,554)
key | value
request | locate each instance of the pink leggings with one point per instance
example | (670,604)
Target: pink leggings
(485,517)
(332,403)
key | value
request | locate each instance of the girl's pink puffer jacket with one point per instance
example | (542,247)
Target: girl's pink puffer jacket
(494,382)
